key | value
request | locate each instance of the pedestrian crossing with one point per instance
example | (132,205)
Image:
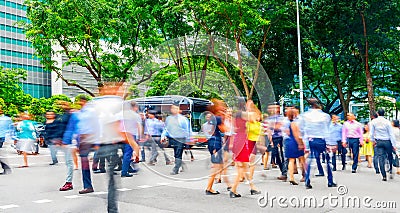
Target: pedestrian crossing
(70,197)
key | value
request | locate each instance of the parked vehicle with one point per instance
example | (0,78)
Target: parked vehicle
(190,107)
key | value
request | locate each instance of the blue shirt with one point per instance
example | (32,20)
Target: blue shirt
(381,129)
(177,126)
(335,134)
(83,122)
(153,127)
(26,130)
(315,124)
(5,125)
(276,125)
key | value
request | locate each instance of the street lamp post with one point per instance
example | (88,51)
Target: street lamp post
(300,61)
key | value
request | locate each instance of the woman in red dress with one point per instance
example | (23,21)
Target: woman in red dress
(240,149)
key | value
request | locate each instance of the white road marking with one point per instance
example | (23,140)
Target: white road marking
(124,189)
(9,206)
(163,184)
(99,193)
(43,201)
(72,196)
(145,186)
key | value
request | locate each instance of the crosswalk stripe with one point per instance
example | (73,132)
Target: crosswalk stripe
(145,186)
(99,193)
(42,201)
(9,206)
(124,189)
(163,184)
(72,196)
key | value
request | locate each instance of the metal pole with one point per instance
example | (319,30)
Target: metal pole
(300,61)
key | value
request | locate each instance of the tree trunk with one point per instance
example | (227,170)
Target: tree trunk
(344,104)
(188,59)
(240,64)
(260,50)
(370,87)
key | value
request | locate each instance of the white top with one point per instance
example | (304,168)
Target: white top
(131,122)
(381,129)
(108,108)
(229,124)
(208,129)
(396,132)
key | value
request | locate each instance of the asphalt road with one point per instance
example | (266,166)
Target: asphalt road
(35,189)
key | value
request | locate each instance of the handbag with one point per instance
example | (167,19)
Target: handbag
(165,143)
(395,160)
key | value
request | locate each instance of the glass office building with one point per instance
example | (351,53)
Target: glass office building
(17,52)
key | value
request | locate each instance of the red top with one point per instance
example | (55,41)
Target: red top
(241,151)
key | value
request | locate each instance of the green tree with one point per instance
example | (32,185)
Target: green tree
(347,40)
(105,37)
(11,91)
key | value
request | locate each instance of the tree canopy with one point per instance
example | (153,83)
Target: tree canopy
(350,49)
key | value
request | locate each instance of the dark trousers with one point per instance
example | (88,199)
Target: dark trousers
(285,163)
(317,146)
(375,160)
(155,141)
(354,145)
(143,154)
(84,149)
(2,141)
(111,151)
(384,150)
(126,159)
(178,144)
(318,160)
(98,162)
(3,163)
(342,152)
(277,152)
(328,165)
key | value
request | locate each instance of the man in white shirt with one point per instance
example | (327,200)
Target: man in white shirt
(177,129)
(316,124)
(383,138)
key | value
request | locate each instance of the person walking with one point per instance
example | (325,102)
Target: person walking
(109,105)
(227,146)
(51,135)
(384,139)
(368,148)
(294,146)
(67,147)
(253,131)
(315,124)
(153,130)
(396,132)
(240,149)
(352,136)
(267,140)
(375,158)
(178,130)
(276,125)
(131,125)
(83,126)
(26,134)
(5,129)
(334,142)
(215,128)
